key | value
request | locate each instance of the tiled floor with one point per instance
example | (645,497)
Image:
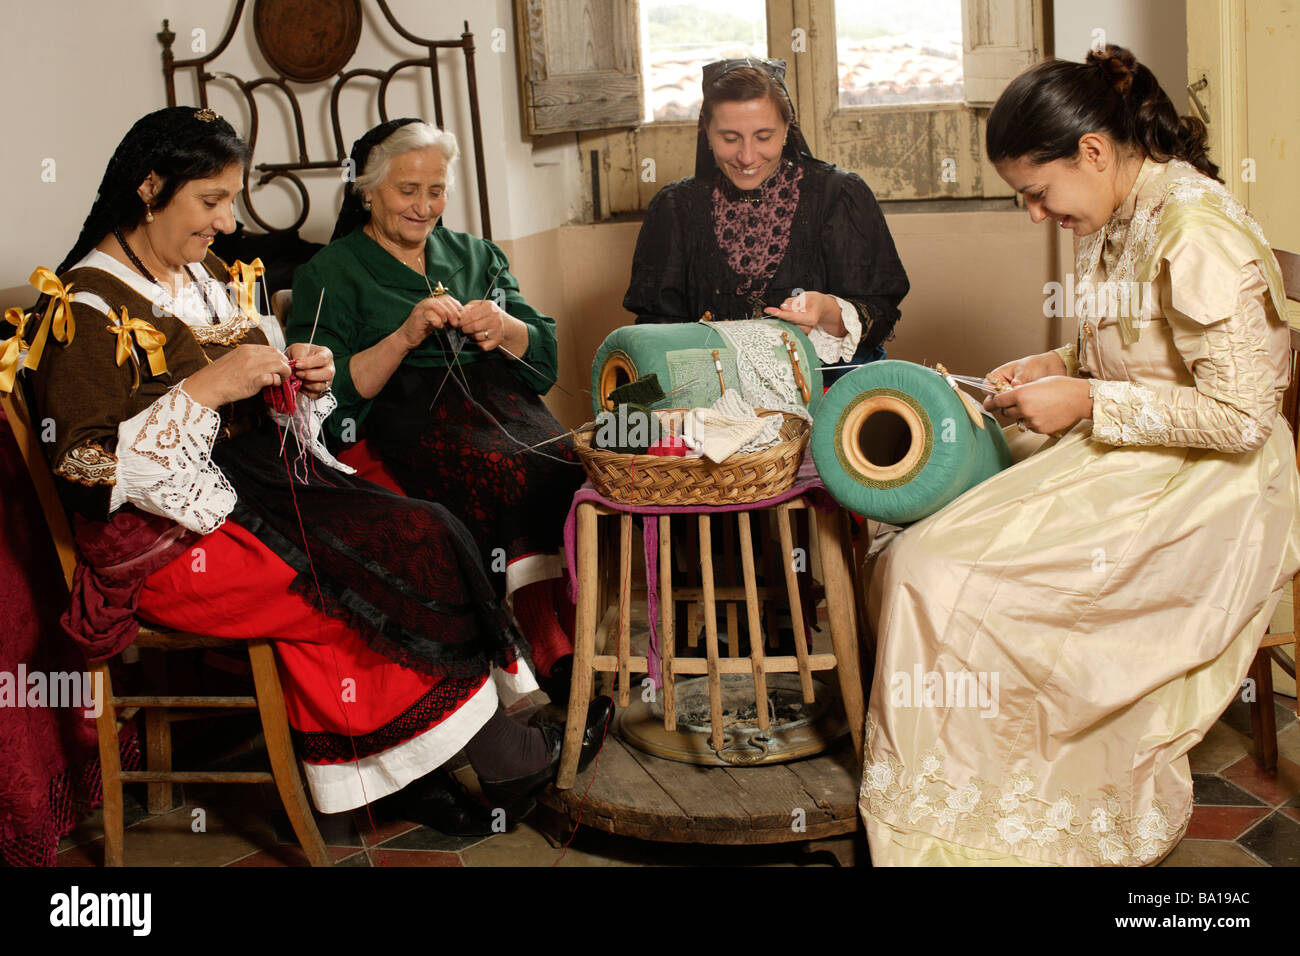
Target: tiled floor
(1242,817)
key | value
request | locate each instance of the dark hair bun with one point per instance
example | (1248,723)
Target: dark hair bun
(1119,65)
(1045,110)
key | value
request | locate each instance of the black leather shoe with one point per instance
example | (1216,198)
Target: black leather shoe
(600,717)
(560,680)
(517,796)
(439,801)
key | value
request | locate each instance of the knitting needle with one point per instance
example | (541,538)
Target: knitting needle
(310,339)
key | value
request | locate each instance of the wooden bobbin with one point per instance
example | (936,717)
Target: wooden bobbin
(855,424)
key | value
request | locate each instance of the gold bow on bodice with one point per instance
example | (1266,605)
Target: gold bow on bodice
(147,337)
(11,348)
(58,314)
(245,276)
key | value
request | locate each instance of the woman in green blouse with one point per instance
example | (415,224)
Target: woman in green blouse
(441,365)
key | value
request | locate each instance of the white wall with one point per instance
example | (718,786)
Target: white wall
(1155,30)
(77,73)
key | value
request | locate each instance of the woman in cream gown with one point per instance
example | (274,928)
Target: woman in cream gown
(1105,596)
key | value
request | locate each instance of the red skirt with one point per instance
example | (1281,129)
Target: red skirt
(363,725)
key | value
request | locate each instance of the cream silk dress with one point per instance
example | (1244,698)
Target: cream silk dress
(1052,644)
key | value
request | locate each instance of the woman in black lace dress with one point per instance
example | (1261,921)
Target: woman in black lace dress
(764,229)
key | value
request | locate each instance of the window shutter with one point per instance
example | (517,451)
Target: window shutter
(999,39)
(579,64)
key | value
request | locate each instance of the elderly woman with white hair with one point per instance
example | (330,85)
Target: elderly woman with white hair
(441,365)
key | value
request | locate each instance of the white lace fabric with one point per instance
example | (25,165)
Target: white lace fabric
(164,464)
(137,479)
(765,380)
(831,349)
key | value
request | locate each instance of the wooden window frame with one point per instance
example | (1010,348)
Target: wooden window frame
(880,143)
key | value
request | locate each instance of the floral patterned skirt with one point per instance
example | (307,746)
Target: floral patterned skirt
(466,452)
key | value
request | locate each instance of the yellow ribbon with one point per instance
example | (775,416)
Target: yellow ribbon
(11,348)
(245,276)
(58,315)
(147,337)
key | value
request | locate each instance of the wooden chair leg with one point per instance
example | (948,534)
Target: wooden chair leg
(753,608)
(839,604)
(158,736)
(667,620)
(711,633)
(158,757)
(1263,722)
(279,747)
(584,645)
(110,768)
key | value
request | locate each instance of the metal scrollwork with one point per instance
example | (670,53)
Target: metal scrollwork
(327,55)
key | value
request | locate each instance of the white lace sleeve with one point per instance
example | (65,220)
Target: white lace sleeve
(164,464)
(831,349)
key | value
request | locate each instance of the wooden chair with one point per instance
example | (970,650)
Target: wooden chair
(1263,722)
(162,711)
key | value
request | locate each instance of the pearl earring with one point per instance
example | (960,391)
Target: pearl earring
(148,212)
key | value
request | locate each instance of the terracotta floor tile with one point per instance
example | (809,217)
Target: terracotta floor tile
(1209,853)
(1222,746)
(386,857)
(356,859)
(1276,840)
(285,854)
(1210,789)
(384,829)
(1272,789)
(1222,823)
(1292,812)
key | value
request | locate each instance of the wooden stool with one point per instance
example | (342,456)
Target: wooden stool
(594,615)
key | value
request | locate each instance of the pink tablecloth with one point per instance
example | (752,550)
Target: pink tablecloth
(807,484)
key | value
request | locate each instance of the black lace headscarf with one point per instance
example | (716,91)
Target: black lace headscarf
(179,143)
(354,213)
(796,147)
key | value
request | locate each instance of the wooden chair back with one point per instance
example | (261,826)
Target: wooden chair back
(28,435)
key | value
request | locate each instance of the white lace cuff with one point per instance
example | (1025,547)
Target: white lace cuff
(1126,413)
(313,413)
(831,349)
(164,464)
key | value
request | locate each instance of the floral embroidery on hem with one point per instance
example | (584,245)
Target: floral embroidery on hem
(1014,818)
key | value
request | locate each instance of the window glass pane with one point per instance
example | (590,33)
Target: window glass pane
(677,39)
(898,51)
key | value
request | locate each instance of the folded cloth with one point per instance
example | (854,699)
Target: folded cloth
(731,426)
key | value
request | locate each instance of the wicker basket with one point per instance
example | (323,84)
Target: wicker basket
(650,479)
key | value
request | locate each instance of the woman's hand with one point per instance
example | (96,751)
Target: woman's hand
(489,326)
(808,310)
(1048,405)
(1028,369)
(313,366)
(435,312)
(242,372)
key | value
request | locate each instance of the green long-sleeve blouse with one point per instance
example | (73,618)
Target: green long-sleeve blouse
(369,294)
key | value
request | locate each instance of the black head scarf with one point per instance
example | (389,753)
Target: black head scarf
(796,147)
(354,214)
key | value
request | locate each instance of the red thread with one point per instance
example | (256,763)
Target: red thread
(356,759)
(284,397)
